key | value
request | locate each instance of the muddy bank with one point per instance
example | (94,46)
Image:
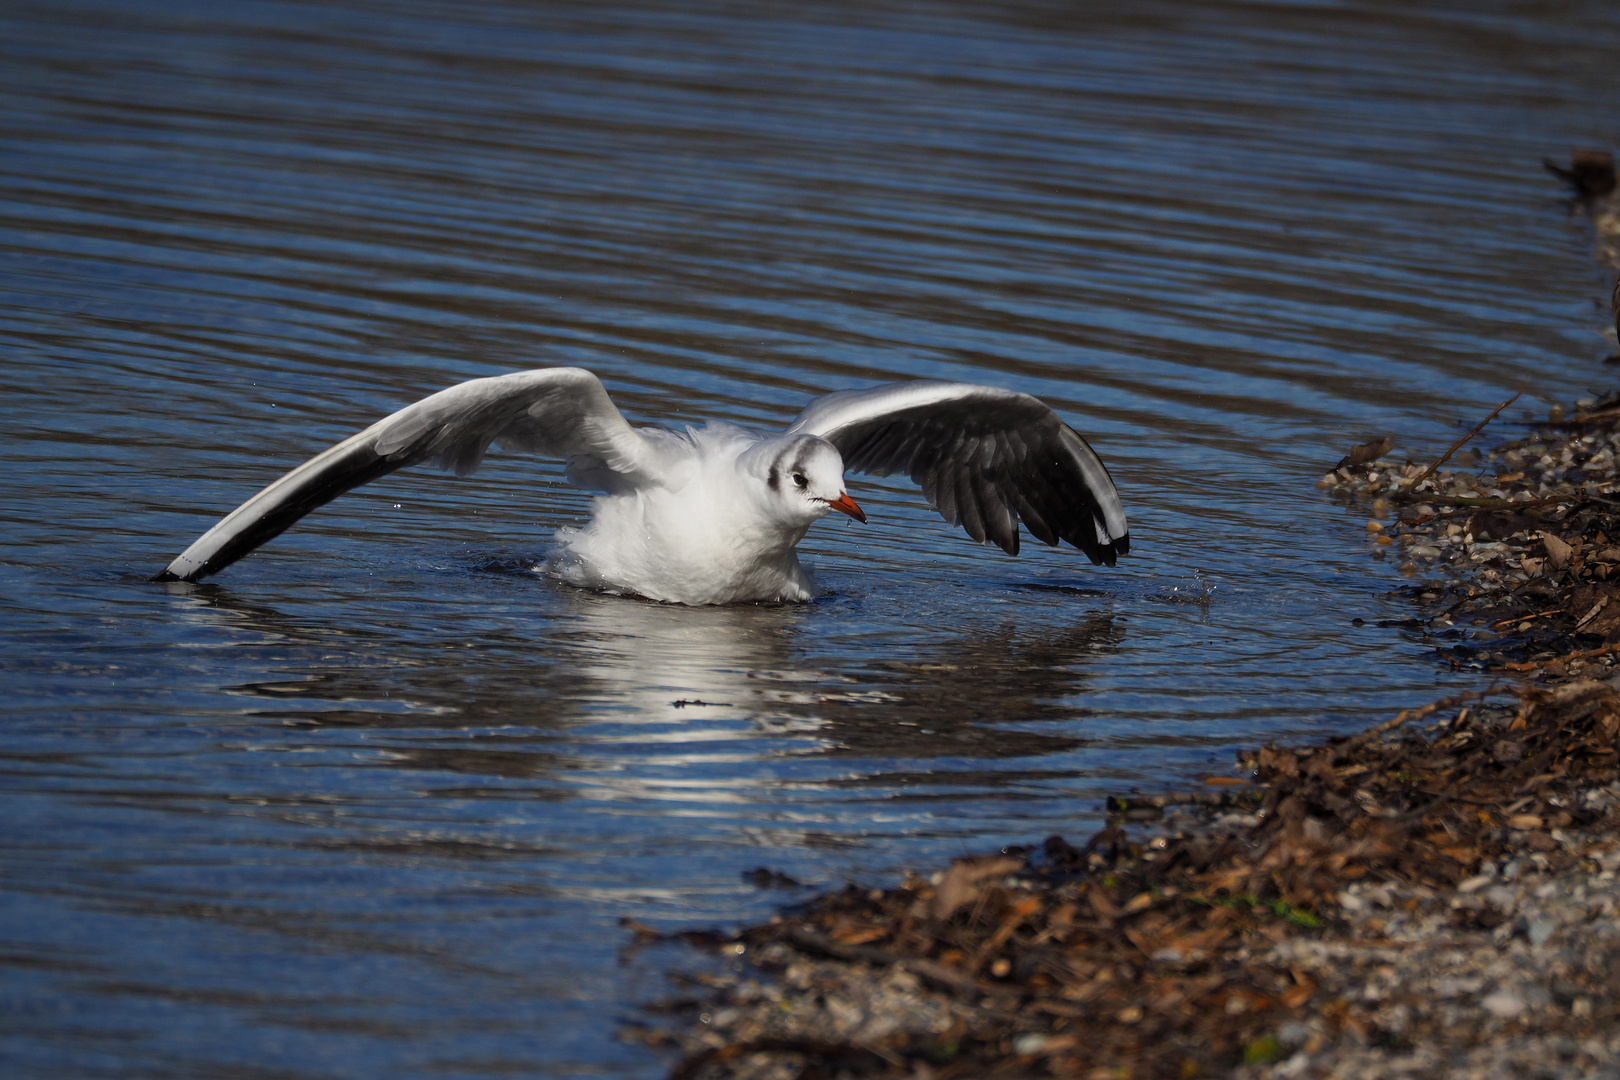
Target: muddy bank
(1435,896)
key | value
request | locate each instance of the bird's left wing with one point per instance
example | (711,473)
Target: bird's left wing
(561,412)
(984,457)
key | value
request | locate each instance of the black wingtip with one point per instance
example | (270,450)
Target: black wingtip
(167,575)
(1108,554)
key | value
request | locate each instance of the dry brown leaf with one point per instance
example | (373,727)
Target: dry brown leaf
(965,879)
(854,934)
(1141,941)
(1361,453)
(1139,902)
(1558,552)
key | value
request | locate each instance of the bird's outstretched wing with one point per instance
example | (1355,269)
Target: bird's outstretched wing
(984,457)
(562,412)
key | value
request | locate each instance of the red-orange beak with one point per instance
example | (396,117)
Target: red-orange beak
(847,505)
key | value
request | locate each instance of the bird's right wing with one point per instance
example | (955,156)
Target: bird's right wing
(560,412)
(984,457)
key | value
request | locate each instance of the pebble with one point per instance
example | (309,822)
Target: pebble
(1504,1005)
(1029,1043)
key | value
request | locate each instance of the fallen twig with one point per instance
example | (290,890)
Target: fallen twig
(1354,743)
(1526,618)
(1459,443)
(1533,665)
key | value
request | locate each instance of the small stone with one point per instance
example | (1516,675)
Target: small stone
(1452,986)
(1476,883)
(1030,1042)
(1538,930)
(1504,1004)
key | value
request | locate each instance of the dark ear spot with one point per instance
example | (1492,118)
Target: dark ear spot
(774,480)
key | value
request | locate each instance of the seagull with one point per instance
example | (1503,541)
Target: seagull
(711,515)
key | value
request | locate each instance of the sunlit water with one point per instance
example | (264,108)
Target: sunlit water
(371,804)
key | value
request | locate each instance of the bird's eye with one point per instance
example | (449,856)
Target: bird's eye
(799,480)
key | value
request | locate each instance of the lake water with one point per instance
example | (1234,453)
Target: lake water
(372,802)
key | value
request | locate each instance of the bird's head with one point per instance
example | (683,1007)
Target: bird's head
(803,477)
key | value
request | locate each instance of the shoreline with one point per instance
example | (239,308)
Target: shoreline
(1436,895)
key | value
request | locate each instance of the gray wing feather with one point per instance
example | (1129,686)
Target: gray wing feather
(562,412)
(985,458)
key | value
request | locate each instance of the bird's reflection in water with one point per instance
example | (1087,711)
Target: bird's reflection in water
(622,695)
(664,664)
(954,700)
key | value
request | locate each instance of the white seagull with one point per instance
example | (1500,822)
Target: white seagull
(711,515)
